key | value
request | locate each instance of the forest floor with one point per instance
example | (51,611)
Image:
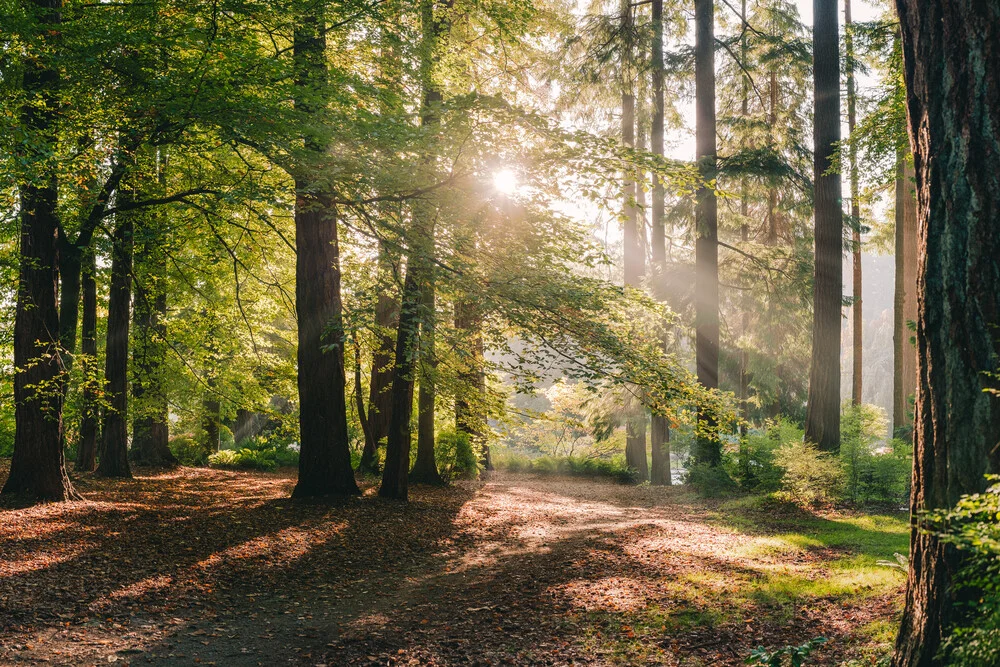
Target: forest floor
(197,566)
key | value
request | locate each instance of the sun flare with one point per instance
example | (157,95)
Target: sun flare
(505,181)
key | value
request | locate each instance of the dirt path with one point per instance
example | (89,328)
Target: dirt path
(203,567)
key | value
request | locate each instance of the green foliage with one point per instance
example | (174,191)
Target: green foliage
(188,451)
(754,466)
(972,527)
(575,466)
(710,481)
(796,654)
(811,476)
(873,471)
(455,455)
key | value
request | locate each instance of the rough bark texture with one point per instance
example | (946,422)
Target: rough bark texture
(823,406)
(425,469)
(150,430)
(951,57)
(325,456)
(905,302)
(113,459)
(37,469)
(856,306)
(709,448)
(86,450)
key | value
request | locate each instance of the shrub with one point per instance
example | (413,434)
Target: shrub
(613,468)
(972,527)
(754,466)
(709,480)
(811,476)
(226,458)
(873,471)
(187,451)
(455,455)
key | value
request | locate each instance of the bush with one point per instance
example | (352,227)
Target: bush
(971,526)
(187,451)
(574,466)
(873,471)
(811,476)
(259,453)
(754,466)
(455,455)
(711,481)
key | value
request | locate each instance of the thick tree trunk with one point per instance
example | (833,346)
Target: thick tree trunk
(659,473)
(856,306)
(950,59)
(150,430)
(709,448)
(823,406)
(113,459)
(86,450)
(38,469)
(425,469)
(325,455)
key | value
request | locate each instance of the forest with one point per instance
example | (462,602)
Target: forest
(500,332)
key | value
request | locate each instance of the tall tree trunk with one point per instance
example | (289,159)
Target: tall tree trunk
(395,474)
(113,459)
(634,258)
(856,306)
(900,334)
(325,455)
(425,467)
(659,426)
(38,469)
(86,450)
(150,430)
(379,390)
(419,278)
(950,60)
(823,406)
(709,447)
(771,238)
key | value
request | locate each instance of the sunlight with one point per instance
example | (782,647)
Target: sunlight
(505,182)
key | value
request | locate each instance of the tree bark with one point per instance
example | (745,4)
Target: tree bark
(113,459)
(950,59)
(379,391)
(395,474)
(470,415)
(86,450)
(38,469)
(150,430)
(325,455)
(709,447)
(425,469)
(856,306)
(823,405)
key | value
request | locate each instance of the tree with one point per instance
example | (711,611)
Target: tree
(949,57)
(38,467)
(86,449)
(823,407)
(325,458)
(707,225)
(113,454)
(659,426)
(905,301)
(856,305)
